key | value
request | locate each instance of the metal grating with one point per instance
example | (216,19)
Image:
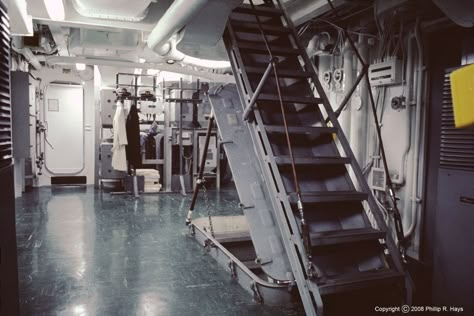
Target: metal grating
(456,144)
(5,105)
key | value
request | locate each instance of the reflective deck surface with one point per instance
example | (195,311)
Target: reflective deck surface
(85,252)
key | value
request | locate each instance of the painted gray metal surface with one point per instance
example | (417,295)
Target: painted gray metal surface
(262,290)
(253,194)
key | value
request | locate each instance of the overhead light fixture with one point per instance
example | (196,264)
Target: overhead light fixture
(80,66)
(55,9)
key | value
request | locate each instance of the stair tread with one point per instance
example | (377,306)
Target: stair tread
(288,99)
(263,11)
(357,280)
(328,196)
(252,265)
(323,160)
(232,237)
(345,236)
(250,27)
(259,48)
(281,73)
(300,129)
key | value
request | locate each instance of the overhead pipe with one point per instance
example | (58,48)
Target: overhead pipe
(175,18)
(29,56)
(51,60)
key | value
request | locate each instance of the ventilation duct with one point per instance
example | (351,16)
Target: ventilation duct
(174,20)
(86,38)
(460,12)
(21,23)
(174,36)
(126,10)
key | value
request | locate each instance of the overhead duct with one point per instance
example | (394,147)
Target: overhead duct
(302,11)
(113,9)
(20,22)
(202,37)
(170,36)
(80,39)
(460,12)
(174,19)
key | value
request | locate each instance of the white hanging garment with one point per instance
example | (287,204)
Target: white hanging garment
(119,156)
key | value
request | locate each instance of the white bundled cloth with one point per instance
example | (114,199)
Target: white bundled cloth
(119,156)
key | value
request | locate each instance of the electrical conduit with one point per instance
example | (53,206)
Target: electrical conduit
(358,124)
(413,198)
(403,168)
(345,117)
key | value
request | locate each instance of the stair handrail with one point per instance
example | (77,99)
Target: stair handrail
(259,88)
(304,227)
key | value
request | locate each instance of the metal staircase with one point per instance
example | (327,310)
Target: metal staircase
(333,233)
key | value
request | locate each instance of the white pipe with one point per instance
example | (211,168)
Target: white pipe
(29,56)
(421,161)
(127,64)
(358,134)
(419,92)
(402,169)
(324,64)
(174,19)
(345,117)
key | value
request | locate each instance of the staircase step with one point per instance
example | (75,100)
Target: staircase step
(252,265)
(262,49)
(286,160)
(249,27)
(259,10)
(328,196)
(232,237)
(358,281)
(288,99)
(300,130)
(281,73)
(345,236)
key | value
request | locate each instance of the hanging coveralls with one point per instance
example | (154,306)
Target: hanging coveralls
(133,135)
(119,156)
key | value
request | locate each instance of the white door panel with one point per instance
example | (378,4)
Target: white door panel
(64,117)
